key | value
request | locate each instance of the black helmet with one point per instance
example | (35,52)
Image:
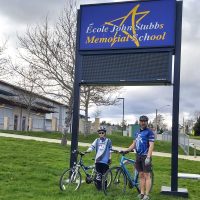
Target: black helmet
(144,118)
(101,129)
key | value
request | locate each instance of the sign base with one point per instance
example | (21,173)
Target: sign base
(182,192)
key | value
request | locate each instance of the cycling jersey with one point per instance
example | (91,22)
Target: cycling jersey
(142,139)
(102,147)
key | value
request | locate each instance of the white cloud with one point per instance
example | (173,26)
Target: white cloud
(16,14)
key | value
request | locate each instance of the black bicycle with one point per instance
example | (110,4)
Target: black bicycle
(71,179)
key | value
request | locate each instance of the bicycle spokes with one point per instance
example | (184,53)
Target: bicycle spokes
(116,181)
(70,180)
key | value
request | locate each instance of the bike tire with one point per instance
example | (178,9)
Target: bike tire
(70,180)
(137,183)
(117,183)
(107,181)
(152,180)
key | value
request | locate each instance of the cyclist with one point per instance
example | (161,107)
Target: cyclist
(103,146)
(143,144)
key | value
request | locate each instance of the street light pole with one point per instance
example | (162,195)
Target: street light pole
(122,115)
(156,122)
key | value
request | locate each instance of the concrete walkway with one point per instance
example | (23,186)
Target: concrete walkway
(161,154)
(192,142)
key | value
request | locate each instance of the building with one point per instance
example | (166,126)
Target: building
(24,110)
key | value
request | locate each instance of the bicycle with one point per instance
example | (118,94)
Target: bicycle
(120,176)
(71,179)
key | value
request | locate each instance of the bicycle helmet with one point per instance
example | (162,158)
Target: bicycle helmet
(101,129)
(144,118)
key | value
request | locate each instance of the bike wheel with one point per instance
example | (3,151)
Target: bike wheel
(70,180)
(152,180)
(108,179)
(114,181)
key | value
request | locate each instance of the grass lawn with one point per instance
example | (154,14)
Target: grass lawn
(194,137)
(51,135)
(31,170)
(117,140)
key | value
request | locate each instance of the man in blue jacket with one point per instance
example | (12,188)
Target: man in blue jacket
(143,144)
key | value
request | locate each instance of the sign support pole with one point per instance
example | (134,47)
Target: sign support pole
(174,190)
(76,99)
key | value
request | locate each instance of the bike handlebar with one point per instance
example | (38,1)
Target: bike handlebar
(79,152)
(121,152)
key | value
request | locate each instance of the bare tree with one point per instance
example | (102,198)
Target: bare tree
(97,113)
(196,114)
(51,60)
(92,95)
(28,82)
(3,60)
(51,53)
(159,122)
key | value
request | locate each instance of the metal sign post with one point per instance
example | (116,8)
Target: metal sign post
(76,100)
(174,190)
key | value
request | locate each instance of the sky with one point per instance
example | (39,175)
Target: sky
(16,15)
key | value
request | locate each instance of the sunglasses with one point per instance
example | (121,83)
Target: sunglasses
(101,132)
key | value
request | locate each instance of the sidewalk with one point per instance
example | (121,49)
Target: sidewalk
(161,154)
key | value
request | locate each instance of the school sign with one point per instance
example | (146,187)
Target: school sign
(130,43)
(145,24)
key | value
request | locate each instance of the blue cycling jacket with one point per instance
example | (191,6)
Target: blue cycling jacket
(142,139)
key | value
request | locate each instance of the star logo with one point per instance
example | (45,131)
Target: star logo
(134,21)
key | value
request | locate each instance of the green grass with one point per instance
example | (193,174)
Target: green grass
(117,140)
(31,170)
(194,137)
(52,135)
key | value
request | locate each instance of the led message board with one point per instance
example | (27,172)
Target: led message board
(125,25)
(127,69)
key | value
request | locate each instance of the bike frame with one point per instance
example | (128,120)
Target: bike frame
(123,162)
(80,164)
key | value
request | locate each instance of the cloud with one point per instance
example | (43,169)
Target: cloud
(25,11)
(15,15)
(191,20)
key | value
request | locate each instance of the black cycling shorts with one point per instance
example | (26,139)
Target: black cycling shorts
(140,164)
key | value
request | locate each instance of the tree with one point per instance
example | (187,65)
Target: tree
(189,123)
(197,127)
(187,129)
(104,123)
(3,60)
(27,96)
(161,126)
(196,114)
(91,95)
(51,53)
(150,125)
(97,113)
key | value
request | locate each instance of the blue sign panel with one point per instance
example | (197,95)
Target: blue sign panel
(141,24)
